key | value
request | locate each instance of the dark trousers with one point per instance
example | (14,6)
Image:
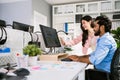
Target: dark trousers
(93,74)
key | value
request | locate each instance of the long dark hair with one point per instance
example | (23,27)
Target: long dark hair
(85,32)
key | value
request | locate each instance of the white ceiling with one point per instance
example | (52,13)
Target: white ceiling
(53,2)
(9,1)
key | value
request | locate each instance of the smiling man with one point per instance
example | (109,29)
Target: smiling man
(102,56)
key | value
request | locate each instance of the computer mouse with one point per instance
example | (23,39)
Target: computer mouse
(22,72)
(66,59)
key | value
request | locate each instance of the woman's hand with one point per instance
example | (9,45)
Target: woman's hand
(62,41)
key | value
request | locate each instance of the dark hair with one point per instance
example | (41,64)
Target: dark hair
(104,20)
(85,32)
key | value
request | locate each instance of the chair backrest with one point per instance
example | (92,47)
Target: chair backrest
(115,66)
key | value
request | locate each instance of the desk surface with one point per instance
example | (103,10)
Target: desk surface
(56,70)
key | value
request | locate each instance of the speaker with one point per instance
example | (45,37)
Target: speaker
(3,37)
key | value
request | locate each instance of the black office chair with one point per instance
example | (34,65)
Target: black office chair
(93,74)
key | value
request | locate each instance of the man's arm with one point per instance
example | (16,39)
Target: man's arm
(84,59)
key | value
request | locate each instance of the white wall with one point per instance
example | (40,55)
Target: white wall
(42,7)
(20,11)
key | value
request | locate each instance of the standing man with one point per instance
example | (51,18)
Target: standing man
(102,56)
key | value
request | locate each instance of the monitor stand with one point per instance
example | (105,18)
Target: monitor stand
(52,51)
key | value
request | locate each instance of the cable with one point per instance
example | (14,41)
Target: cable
(62,31)
(9,25)
(8,67)
(86,66)
(30,42)
(37,37)
(37,32)
(34,42)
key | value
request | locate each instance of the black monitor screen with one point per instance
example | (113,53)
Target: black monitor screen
(23,27)
(50,37)
(78,18)
(2,23)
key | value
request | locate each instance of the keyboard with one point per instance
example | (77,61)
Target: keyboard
(66,59)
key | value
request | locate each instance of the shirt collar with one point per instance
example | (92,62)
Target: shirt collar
(106,34)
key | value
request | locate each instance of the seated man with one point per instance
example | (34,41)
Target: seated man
(106,46)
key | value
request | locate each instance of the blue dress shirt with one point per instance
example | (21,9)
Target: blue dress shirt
(102,56)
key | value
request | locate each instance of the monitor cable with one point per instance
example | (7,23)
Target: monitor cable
(32,41)
(9,26)
(62,31)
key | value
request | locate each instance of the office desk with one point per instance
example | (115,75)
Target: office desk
(56,70)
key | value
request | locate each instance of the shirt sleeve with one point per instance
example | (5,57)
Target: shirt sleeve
(100,53)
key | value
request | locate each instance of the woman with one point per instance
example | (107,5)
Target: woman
(87,37)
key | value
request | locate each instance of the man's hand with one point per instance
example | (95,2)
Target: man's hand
(74,57)
(84,59)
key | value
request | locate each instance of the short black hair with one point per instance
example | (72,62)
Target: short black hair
(104,20)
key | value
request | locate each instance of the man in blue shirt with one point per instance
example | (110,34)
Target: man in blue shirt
(102,56)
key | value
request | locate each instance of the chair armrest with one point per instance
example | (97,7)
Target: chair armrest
(93,74)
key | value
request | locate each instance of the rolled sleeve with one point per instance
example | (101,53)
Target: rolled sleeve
(92,59)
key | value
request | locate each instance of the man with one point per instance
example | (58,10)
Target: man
(106,46)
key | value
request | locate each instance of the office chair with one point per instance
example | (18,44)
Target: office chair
(92,74)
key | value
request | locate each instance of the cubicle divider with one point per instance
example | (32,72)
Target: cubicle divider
(16,40)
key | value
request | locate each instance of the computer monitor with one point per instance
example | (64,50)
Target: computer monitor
(2,23)
(22,26)
(50,37)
